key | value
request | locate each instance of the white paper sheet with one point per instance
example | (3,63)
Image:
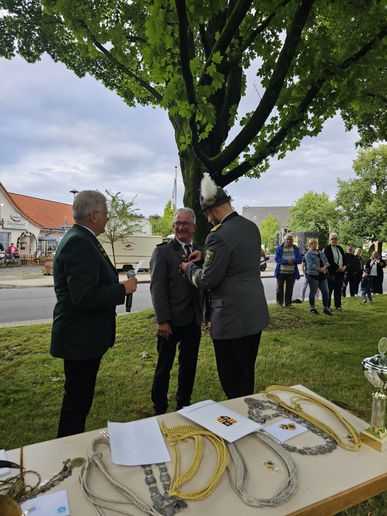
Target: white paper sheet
(4,471)
(52,504)
(220,420)
(281,433)
(137,442)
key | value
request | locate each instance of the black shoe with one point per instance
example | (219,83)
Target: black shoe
(327,311)
(180,406)
(364,301)
(339,308)
(289,306)
(158,411)
(314,311)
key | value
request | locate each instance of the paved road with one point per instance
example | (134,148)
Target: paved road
(36,304)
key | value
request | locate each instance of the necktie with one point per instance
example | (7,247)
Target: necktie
(187,248)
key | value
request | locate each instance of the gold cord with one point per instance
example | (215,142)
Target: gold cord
(295,407)
(180,433)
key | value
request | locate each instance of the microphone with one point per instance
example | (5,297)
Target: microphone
(129,297)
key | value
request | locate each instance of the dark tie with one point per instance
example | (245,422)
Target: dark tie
(101,248)
(187,248)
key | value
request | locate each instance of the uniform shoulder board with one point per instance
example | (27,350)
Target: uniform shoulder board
(162,243)
(215,228)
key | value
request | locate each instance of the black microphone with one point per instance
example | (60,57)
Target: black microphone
(129,297)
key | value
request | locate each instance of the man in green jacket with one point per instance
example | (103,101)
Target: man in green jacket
(87,290)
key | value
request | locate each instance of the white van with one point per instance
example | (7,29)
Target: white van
(130,251)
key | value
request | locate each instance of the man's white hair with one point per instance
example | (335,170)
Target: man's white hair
(189,211)
(86,202)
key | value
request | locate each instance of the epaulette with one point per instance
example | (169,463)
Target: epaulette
(215,228)
(162,243)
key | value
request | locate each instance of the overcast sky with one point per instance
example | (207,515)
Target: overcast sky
(60,133)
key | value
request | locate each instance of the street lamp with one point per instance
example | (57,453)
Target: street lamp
(74,192)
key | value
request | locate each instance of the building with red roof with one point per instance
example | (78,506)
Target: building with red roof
(32,223)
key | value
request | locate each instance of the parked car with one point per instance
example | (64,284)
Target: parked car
(264,260)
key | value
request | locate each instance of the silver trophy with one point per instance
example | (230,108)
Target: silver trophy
(375,370)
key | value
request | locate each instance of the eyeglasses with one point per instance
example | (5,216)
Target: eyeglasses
(334,238)
(183,223)
(103,213)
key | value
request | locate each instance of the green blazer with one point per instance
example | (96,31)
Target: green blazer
(87,290)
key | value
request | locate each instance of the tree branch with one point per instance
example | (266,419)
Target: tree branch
(126,70)
(186,54)
(270,97)
(301,111)
(231,27)
(253,35)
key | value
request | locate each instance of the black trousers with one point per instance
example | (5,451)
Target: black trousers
(235,360)
(188,339)
(335,285)
(285,282)
(80,378)
(351,279)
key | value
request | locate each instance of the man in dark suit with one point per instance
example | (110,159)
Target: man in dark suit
(336,270)
(231,272)
(87,290)
(178,308)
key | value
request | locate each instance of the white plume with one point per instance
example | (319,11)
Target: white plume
(208,187)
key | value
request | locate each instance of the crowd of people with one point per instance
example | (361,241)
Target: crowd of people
(329,271)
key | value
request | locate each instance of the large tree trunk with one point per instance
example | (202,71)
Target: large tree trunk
(192,172)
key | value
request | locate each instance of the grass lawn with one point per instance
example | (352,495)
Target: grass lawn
(322,353)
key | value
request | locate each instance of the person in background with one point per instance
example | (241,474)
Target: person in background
(351,272)
(238,311)
(87,292)
(376,265)
(179,309)
(359,267)
(337,265)
(366,286)
(13,250)
(317,267)
(287,257)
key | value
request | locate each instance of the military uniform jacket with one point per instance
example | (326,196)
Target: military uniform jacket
(87,291)
(174,299)
(231,273)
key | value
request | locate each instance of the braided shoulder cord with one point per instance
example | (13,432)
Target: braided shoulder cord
(238,474)
(182,432)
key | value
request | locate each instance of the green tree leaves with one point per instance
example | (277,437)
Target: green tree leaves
(269,228)
(123,221)
(314,212)
(311,58)
(362,202)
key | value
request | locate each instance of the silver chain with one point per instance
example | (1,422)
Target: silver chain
(264,410)
(163,503)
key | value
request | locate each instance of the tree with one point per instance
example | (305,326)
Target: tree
(314,212)
(362,202)
(310,57)
(163,225)
(269,229)
(123,221)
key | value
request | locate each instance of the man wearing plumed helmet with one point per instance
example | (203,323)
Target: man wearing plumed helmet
(230,271)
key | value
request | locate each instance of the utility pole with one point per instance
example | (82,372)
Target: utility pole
(174,191)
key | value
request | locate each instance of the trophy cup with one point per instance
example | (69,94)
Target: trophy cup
(375,370)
